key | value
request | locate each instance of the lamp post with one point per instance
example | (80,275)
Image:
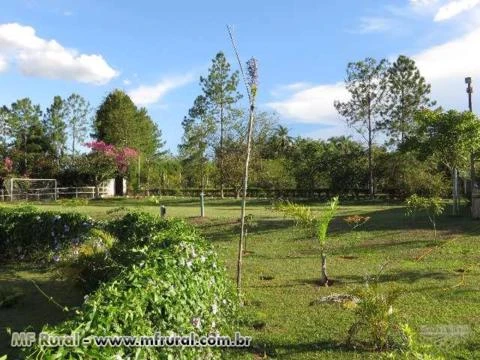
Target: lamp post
(468,81)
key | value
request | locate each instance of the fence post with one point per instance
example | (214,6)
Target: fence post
(76,192)
(202,204)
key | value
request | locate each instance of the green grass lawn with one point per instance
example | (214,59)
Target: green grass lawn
(439,280)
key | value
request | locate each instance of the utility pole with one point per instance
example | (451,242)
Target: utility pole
(468,81)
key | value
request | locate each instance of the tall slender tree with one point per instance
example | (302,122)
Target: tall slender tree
(55,127)
(407,92)
(77,116)
(24,122)
(366,83)
(220,95)
(5,130)
(198,128)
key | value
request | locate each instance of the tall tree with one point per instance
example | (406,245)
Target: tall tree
(365,82)
(220,94)
(24,121)
(343,160)
(120,123)
(77,112)
(55,127)
(407,92)
(279,143)
(5,130)
(449,137)
(198,128)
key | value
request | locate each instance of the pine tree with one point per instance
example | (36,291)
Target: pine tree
(365,82)
(220,95)
(24,121)
(55,127)
(407,92)
(77,116)
(198,128)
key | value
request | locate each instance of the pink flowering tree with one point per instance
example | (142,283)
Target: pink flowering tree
(106,161)
(6,168)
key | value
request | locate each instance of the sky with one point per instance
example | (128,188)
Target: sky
(157,50)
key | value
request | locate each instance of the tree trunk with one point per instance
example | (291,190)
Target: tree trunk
(454,192)
(370,142)
(221,153)
(244,200)
(74,135)
(245,241)
(324,276)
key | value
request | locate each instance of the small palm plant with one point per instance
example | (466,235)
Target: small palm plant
(317,226)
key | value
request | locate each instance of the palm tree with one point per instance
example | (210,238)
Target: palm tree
(281,141)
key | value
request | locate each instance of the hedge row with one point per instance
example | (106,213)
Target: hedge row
(163,277)
(27,233)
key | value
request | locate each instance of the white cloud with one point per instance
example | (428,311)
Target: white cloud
(454,8)
(67,13)
(3,64)
(374,24)
(150,94)
(444,66)
(423,2)
(283,90)
(39,57)
(453,59)
(126,82)
(312,105)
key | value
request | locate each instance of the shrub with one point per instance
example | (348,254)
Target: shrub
(413,348)
(26,233)
(432,206)
(92,260)
(166,279)
(376,324)
(137,228)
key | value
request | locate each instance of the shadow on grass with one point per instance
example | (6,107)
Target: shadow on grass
(274,350)
(408,276)
(225,229)
(394,218)
(174,201)
(33,309)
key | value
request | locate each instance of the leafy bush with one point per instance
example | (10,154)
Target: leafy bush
(26,233)
(92,260)
(432,206)
(376,324)
(413,348)
(137,228)
(165,279)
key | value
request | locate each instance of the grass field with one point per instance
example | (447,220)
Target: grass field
(439,280)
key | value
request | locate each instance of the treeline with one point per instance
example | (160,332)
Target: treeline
(409,145)
(50,143)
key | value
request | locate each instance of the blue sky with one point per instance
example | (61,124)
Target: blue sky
(156,51)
